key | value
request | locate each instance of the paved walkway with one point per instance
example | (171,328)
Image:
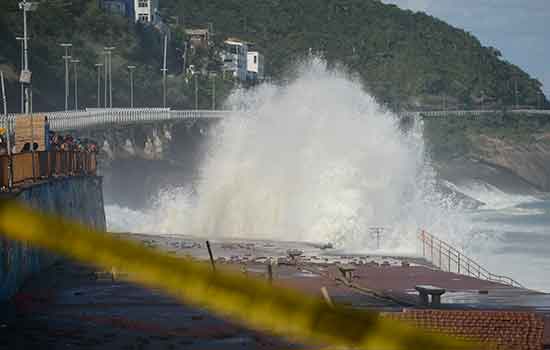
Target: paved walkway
(68,306)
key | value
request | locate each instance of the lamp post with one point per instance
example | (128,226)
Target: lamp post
(67,57)
(164,71)
(25,77)
(213,76)
(196,91)
(131,70)
(8,132)
(516,92)
(98,66)
(20,38)
(109,72)
(105,77)
(75,65)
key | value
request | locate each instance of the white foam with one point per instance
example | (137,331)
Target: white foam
(318,160)
(492,197)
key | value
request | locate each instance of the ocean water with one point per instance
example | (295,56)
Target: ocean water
(319,160)
(514,241)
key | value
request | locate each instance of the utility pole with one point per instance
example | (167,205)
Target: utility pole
(516,92)
(213,76)
(20,38)
(482,98)
(67,57)
(8,132)
(105,77)
(26,75)
(98,66)
(109,51)
(131,69)
(196,91)
(185,59)
(164,71)
(75,65)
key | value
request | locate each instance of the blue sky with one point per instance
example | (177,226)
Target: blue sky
(520,29)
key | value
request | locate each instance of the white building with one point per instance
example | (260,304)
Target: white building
(146,11)
(235,58)
(255,66)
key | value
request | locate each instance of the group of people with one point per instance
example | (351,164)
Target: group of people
(57,142)
(54,142)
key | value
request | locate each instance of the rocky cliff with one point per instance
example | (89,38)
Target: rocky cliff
(529,159)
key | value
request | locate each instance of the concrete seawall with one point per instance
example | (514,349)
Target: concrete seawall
(76,198)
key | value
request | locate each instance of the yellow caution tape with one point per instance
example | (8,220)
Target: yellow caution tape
(252,302)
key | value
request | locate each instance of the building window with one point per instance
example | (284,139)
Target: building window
(255,59)
(143,3)
(143,18)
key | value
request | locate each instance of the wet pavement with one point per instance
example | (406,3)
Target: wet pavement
(74,306)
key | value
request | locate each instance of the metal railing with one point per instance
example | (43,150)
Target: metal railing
(447,258)
(93,117)
(471,113)
(35,166)
(75,120)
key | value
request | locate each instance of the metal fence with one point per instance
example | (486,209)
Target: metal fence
(75,120)
(92,117)
(34,166)
(472,113)
(448,258)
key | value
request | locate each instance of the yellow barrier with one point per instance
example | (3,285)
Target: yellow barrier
(254,303)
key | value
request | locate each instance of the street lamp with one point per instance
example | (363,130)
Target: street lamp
(25,77)
(66,58)
(196,91)
(164,71)
(8,132)
(20,38)
(131,70)
(75,64)
(213,76)
(108,72)
(98,66)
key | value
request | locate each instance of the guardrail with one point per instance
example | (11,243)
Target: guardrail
(92,117)
(74,120)
(34,166)
(472,113)
(447,258)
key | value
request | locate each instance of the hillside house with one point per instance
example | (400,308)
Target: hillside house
(198,38)
(235,58)
(146,11)
(123,8)
(255,66)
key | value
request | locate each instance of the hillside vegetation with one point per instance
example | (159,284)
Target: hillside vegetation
(407,60)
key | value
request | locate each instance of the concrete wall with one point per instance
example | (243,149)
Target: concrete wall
(77,198)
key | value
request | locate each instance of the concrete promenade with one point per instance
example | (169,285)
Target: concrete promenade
(74,306)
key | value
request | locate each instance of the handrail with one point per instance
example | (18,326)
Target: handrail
(73,120)
(35,166)
(93,117)
(446,257)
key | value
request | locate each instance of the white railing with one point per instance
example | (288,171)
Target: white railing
(472,113)
(93,117)
(73,120)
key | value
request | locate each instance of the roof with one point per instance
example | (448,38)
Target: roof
(506,329)
(236,41)
(196,31)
